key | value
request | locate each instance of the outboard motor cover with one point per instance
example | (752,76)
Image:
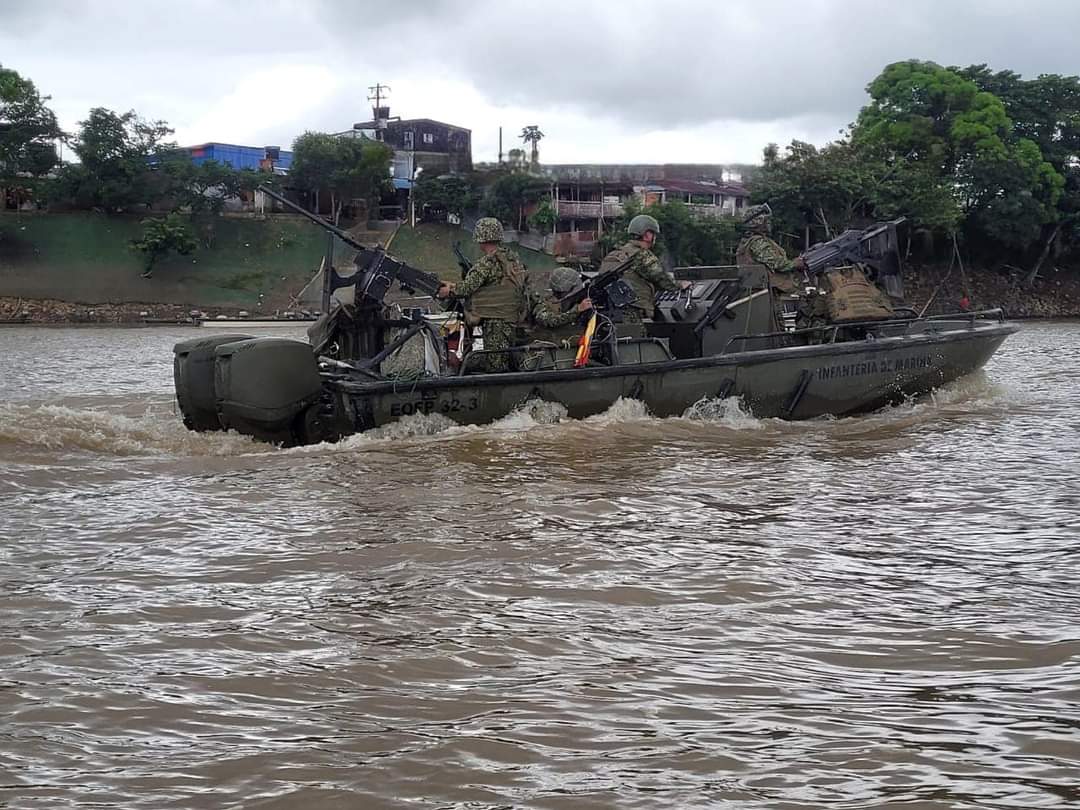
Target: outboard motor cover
(263,384)
(193,377)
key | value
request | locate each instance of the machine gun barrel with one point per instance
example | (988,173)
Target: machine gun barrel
(322,223)
(868,246)
(599,282)
(376,269)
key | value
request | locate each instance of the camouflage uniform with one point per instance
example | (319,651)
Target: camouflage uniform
(495,270)
(645,276)
(756,248)
(552,325)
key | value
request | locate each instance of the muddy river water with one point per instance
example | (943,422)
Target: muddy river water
(621,612)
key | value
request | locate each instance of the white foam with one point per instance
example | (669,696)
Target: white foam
(727,412)
(154,432)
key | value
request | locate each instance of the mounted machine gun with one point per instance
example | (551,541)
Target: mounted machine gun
(876,248)
(359,330)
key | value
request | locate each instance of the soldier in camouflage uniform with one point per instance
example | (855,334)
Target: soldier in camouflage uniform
(645,275)
(495,295)
(549,323)
(757,248)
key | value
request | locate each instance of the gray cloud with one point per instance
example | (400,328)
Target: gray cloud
(627,66)
(681,62)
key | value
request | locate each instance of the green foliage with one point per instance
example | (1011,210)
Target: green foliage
(203,189)
(544,217)
(508,196)
(114,172)
(825,189)
(27,128)
(449,193)
(347,168)
(1044,111)
(687,238)
(160,237)
(942,138)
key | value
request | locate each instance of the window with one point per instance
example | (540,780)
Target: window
(408,139)
(429,138)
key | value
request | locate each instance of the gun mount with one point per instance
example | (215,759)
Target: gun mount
(876,248)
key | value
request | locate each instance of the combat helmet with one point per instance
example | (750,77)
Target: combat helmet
(564,281)
(488,229)
(757,216)
(641,223)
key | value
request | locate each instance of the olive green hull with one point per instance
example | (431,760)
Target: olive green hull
(799,382)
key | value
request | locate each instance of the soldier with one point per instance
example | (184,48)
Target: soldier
(756,247)
(549,323)
(645,276)
(495,293)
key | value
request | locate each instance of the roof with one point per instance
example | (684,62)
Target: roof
(230,146)
(371,124)
(701,187)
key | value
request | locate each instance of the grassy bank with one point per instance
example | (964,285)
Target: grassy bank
(84,257)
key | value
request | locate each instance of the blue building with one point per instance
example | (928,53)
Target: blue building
(267,158)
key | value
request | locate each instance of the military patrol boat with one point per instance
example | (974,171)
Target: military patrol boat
(725,335)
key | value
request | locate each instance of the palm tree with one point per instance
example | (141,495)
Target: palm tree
(532,134)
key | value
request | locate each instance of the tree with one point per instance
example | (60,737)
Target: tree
(347,168)
(532,135)
(823,189)
(160,237)
(115,171)
(509,195)
(27,129)
(544,217)
(448,193)
(1044,110)
(934,127)
(685,237)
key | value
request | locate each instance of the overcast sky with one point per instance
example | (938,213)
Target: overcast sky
(620,81)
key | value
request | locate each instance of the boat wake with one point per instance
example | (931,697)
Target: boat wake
(156,431)
(143,428)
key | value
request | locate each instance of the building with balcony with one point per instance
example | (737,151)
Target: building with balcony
(587,197)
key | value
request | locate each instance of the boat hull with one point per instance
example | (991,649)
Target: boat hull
(799,382)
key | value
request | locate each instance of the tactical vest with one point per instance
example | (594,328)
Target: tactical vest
(850,296)
(503,300)
(644,294)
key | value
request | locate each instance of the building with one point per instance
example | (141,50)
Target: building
(587,196)
(265,158)
(418,143)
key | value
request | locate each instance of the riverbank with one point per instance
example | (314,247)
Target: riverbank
(72,263)
(51,311)
(1055,294)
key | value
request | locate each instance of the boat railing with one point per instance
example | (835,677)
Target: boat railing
(828,333)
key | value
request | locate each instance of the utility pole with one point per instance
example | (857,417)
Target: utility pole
(376,93)
(500,146)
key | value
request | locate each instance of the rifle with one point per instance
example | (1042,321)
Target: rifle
(463,262)
(607,290)
(376,270)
